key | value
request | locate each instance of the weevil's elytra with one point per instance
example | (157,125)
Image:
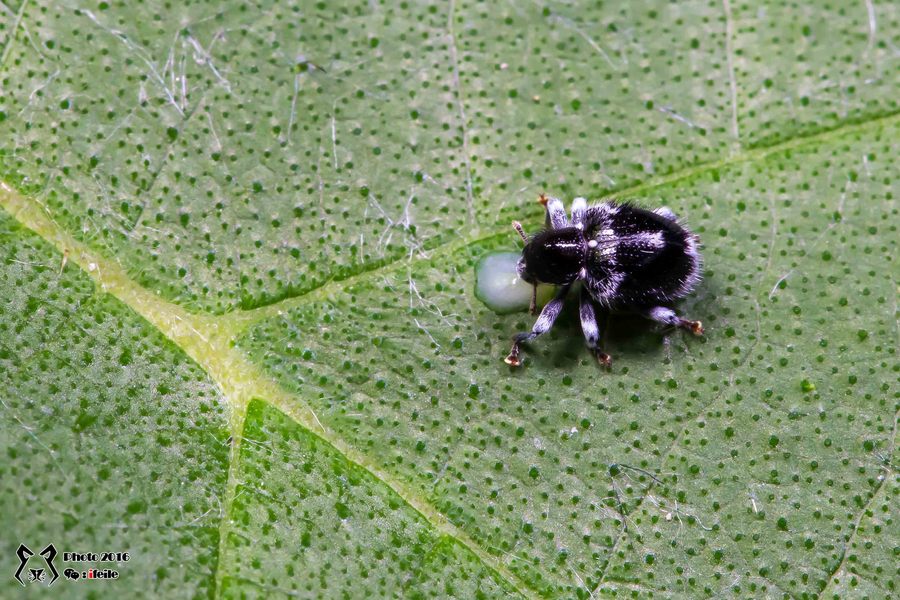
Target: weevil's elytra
(627,258)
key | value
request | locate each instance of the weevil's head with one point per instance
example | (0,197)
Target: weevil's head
(554,256)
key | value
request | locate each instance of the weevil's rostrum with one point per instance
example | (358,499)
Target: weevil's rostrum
(627,258)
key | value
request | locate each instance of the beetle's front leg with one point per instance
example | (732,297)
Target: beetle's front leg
(556,212)
(542,325)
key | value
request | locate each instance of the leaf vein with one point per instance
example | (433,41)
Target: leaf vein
(242,318)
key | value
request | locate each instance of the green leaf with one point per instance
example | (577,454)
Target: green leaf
(112,439)
(240,339)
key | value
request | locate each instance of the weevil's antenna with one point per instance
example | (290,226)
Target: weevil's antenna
(518,227)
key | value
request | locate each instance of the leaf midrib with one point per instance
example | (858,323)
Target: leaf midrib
(209,339)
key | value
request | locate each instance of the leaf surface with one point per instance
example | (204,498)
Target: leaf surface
(241,341)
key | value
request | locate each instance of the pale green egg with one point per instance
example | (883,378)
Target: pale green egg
(501,289)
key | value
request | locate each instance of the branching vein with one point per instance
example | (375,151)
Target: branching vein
(208,340)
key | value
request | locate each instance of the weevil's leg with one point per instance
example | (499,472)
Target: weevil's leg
(591,328)
(532,308)
(556,212)
(667,316)
(665,211)
(579,206)
(542,325)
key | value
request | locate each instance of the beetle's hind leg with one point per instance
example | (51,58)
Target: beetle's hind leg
(556,212)
(667,316)
(542,325)
(591,329)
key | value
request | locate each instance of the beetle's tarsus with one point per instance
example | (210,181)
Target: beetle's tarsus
(695,327)
(513,358)
(604,359)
